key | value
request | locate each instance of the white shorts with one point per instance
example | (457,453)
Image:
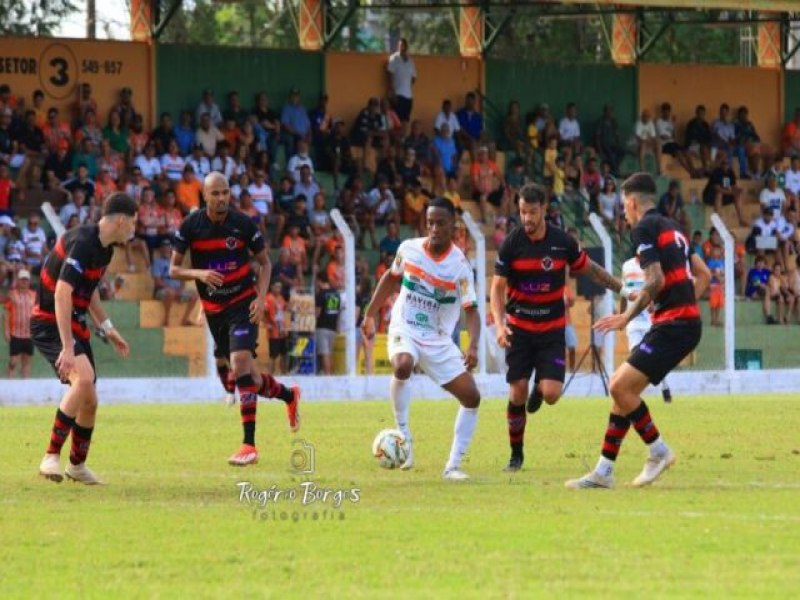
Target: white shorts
(635,337)
(442,361)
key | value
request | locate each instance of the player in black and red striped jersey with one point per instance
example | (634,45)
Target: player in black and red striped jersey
(675,278)
(527,301)
(222,243)
(67,291)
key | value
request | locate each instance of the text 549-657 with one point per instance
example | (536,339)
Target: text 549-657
(106,67)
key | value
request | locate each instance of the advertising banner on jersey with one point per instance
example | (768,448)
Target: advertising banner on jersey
(58,66)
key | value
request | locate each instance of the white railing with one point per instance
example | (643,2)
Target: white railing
(608,258)
(730,318)
(480,285)
(53,218)
(349,314)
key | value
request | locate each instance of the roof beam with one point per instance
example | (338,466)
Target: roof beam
(766,5)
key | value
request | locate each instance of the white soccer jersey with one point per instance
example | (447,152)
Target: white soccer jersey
(432,294)
(633,280)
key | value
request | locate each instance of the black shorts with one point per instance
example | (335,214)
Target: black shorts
(664,347)
(709,196)
(672,148)
(543,353)
(403,106)
(496,197)
(47,341)
(277,347)
(232,330)
(19,346)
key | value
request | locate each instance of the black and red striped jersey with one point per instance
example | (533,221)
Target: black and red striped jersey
(80,260)
(536,274)
(658,239)
(224,247)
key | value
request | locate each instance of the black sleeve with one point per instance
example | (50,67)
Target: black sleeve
(254,241)
(73,268)
(182,237)
(646,244)
(502,265)
(576,256)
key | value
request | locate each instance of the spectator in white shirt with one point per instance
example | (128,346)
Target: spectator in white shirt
(446,115)
(569,130)
(792,182)
(772,197)
(261,193)
(148,163)
(199,162)
(35,242)
(172,163)
(207,105)
(723,132)
(76,206)
(299,160)
(207,135)
(647,140)
(665,130)
(224,162)
(402,76)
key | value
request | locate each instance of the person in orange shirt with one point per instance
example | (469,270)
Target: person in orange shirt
(791,136)
(414,205)
(335,269)
(17,325)
(104,185)
(231,133)
(188,190)
(38,109)
(487,183)
(55,130)
(276,321)
(297,247)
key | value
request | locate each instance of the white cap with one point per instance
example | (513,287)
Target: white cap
(23,274)
(6,220)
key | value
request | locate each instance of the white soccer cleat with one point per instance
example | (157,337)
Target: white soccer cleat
(591,481)
(654,467)
(81,474)
(230,399)
(50,468)
(409,462)
(455,475)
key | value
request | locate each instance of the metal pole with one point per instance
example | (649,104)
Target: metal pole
(730,319)
(349,289)
(480,284)
(608,258)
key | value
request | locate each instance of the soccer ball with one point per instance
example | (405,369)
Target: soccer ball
(390,448)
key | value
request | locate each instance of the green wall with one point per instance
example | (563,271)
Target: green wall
(183,71)
(589,86)
(791,94)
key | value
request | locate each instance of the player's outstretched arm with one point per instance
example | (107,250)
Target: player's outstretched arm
(388,285)
(702,276)
(653,283)
(600,276)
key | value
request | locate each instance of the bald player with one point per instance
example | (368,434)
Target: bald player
(223,243)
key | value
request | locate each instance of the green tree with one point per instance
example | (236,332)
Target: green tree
(38,17)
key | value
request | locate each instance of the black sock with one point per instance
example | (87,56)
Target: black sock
(248,402)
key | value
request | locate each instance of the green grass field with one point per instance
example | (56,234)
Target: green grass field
(725,521)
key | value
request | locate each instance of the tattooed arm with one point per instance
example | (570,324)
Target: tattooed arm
(653,284)
(600,276)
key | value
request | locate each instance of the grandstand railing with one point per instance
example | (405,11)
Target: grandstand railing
(349,313)
(609,339)
(480,285)
(730,318)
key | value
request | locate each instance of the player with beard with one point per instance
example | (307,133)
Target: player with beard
(222,243)
(527,301)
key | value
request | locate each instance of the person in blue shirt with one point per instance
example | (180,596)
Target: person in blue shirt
(471,122)
(295,124)
(184,134)
(445,155)
(757,279)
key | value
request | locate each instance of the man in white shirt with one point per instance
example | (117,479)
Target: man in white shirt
(570,130)
(647,139)
(199,162)
(446,115)
(665,130)
(207,105)
(791,184)
(224,162)
(772,197)
(76,206)
(208,136)
(299,160)
(148,163)
(261,193)
(402,76)
(35,241)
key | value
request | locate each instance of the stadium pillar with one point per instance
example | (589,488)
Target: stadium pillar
(141,20)
(470,30)
(769,44)
(310,26)
(623,39)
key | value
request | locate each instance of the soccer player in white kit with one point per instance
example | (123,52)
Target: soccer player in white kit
(435,282)
(632,281)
